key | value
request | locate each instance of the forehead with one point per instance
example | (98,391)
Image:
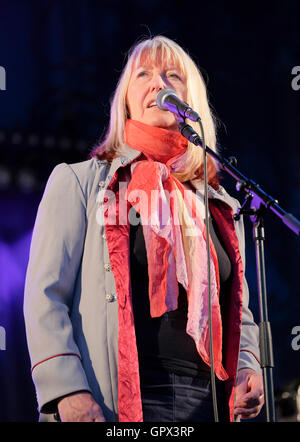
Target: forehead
(157,57)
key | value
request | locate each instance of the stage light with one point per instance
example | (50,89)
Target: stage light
(16,138)
(288,402)
(5,178)
(65,143)
(26,181)
(49,141)
(33,140)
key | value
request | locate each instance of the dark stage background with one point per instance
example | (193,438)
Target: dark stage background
(62,60)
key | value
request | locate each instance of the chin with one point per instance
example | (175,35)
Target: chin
(167,123)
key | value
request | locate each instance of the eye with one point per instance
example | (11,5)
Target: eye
(174,75)
(142,74)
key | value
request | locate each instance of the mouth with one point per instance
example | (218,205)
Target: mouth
(152,104)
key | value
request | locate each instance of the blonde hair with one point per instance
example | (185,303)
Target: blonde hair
(168,50)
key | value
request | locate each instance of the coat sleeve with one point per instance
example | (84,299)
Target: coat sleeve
(249,355)
(54,259)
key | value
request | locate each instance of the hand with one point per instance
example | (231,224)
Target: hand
(249,394)
(79,407)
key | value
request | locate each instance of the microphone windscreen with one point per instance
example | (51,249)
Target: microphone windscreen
(162,95)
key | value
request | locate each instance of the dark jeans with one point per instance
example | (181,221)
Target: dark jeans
(169,397)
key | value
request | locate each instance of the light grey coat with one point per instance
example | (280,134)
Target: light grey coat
(70,304)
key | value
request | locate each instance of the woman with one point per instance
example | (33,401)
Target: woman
(115,298)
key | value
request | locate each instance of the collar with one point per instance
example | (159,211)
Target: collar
(129,155)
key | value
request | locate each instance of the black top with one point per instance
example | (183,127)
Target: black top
(163,342)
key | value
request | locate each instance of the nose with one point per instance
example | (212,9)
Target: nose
(158,83)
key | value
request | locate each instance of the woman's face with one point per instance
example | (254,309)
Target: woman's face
(146,80)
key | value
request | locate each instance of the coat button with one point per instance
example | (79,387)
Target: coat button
(102,184)
(111,297)
(107,267)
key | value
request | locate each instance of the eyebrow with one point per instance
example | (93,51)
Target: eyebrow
(143,67)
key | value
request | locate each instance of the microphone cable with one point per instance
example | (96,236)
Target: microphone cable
(211,350)
(167,100)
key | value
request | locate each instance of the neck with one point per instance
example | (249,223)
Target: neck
(155,142)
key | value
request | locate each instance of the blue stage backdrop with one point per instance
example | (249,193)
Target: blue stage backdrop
(60,61)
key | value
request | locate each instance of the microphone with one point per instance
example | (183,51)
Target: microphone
(168,100)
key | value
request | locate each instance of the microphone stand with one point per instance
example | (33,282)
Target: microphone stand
(259,201)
